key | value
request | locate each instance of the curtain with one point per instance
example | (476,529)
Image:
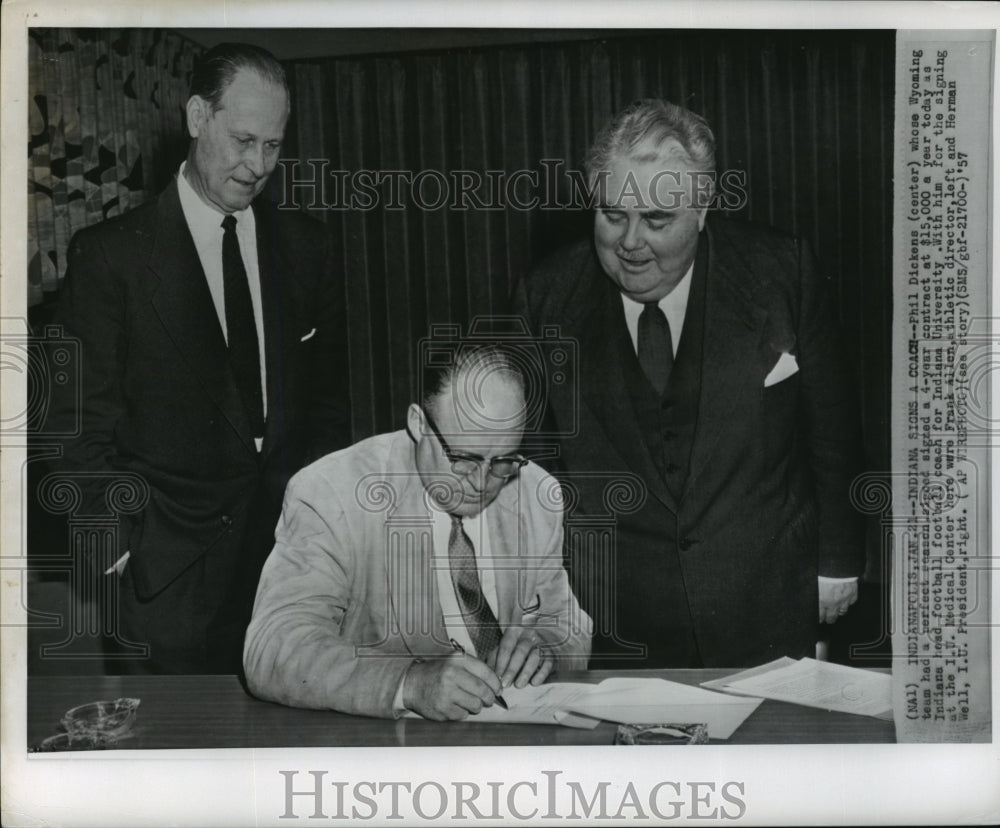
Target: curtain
(806,115)
(106,130)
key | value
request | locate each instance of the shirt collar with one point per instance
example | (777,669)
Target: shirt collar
(438,515)
(203,218)
(676,300)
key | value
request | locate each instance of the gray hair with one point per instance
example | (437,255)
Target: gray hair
(659,121)
(216,69)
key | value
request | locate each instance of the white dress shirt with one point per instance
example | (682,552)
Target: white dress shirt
(673,305)
(475,527)
(205,223)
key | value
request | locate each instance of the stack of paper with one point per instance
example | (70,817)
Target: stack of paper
(652,700)
(622,700)
(815,684)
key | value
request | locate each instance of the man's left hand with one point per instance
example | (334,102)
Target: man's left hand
(521,657)
(834,598)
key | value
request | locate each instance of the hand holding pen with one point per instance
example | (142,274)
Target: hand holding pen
(460,649)
(450,688)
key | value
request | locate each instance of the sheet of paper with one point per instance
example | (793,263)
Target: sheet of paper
(624,700)
(821,684)
(546,704)
(658,701)
(721,684)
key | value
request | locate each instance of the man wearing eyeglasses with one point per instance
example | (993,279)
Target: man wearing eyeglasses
(420,570)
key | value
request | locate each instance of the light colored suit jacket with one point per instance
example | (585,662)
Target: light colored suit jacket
(348,597)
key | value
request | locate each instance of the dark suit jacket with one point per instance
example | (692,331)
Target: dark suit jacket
(159,399)
(765,505)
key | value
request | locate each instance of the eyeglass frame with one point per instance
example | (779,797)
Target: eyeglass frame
(456,457)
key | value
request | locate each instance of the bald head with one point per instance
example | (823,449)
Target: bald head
(473,411)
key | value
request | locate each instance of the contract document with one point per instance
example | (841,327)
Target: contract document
(621,700)
(815,684)
(545,704)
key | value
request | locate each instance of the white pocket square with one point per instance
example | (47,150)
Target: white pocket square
(783,369)
(118,567)
(309,335)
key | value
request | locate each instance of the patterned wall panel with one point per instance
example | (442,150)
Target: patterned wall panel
(106,130)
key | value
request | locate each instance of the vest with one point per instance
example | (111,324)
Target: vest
(667,425)
(668,422)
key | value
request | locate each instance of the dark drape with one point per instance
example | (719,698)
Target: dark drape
(806,115)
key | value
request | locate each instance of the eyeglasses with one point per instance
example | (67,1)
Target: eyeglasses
(503,467)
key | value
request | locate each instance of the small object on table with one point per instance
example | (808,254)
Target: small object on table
(108,720)
(92,726)
(662,734)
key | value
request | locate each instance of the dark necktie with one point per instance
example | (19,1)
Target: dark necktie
(655,348)
(241,330)
(479,618)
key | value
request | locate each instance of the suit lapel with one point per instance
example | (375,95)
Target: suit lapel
(603,380)
(184,305)
(734,330)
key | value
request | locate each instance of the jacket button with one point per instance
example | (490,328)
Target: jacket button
(227,520)
(686,543)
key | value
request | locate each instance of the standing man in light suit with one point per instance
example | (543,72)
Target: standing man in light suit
(710,367)
(420,570)
(211,330)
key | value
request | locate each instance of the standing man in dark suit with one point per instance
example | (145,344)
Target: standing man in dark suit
(212,342)
(711,373)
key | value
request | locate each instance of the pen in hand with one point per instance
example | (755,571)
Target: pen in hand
(460,649)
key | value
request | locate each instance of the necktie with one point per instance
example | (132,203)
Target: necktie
(479,618)
(241,330)
(655,348)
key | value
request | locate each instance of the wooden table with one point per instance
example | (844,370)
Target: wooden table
(216,712)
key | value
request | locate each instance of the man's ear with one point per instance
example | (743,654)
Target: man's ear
(198,111)
(414,422)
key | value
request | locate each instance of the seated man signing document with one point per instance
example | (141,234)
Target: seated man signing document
(420,570)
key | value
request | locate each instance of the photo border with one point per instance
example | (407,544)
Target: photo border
(832,784)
